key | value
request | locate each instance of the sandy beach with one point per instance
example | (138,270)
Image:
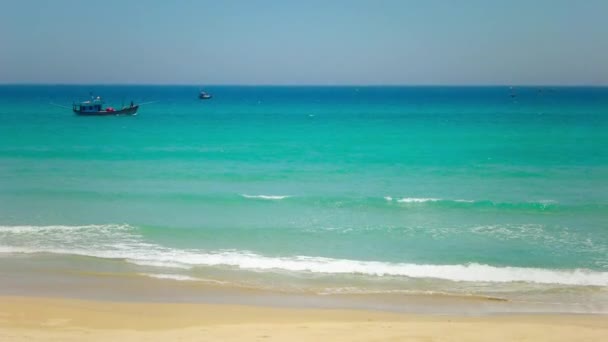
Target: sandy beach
(53,319)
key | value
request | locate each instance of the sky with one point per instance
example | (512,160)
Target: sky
(311,42)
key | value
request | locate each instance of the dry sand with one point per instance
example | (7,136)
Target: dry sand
(46,319)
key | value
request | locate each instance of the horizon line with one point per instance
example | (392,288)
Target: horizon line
(581,85)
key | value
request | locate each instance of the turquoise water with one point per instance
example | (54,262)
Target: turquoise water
(324,189)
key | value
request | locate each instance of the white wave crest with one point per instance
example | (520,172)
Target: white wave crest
(266,197)
(62,228)
(433,199)
(249,261)
(417,200)
(471,272)
(123,242)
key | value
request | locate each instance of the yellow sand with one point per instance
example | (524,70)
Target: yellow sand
(43,319)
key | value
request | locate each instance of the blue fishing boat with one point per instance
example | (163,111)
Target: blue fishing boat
(95,106)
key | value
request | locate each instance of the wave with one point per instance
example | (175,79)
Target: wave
(436,202)
(386,202)
(124,243)
(441,202)
(181,277)
(266,197)
(169,276)
(472,272)
(417,200)
(63,228)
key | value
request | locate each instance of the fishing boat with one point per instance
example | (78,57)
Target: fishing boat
(204,96)
(95,106)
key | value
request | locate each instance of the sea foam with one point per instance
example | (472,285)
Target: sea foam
(417,200)
(123,242)
(266,197)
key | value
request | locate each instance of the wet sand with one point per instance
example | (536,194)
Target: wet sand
(56,319)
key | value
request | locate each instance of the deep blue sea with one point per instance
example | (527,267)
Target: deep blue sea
(489,191)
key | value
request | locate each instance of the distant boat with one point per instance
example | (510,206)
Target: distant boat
(95,107)
(204,96)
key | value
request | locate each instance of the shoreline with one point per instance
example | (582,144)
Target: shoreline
(41,319)
(40,281)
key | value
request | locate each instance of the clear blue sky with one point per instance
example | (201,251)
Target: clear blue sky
(304,42)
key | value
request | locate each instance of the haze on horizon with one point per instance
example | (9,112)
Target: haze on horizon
(390,42)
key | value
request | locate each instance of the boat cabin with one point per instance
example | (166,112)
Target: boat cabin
(91,106)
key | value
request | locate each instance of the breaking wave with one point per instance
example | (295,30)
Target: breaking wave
(266,197)
(124,242)
(480,204)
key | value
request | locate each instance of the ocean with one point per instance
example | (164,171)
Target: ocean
(481,192)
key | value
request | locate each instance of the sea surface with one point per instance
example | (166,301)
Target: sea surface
(491,192)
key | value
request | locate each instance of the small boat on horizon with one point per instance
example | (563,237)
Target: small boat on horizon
(204,96)
(94,106)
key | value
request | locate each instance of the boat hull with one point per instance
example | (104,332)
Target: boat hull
(123,111)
